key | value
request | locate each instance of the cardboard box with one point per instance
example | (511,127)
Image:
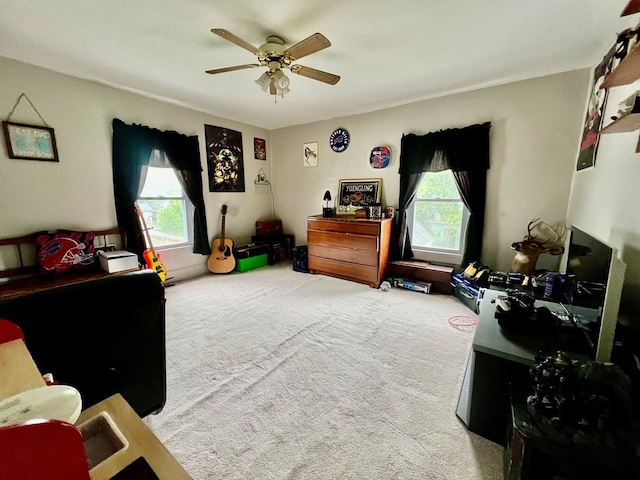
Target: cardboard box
(118,261)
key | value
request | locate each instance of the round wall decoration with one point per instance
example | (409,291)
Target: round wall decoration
(380,157)
(339,140)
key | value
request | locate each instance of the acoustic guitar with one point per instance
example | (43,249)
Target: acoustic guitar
(221,259)
(150,256)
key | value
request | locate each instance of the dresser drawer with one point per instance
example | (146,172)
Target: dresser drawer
(363,257)
(364,227)
(354,249)
(350,271)
(342,240)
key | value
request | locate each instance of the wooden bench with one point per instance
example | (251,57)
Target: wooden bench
(439,276)
(19,268)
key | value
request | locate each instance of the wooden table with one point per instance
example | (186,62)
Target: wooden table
(17,369)
(141,443)
(19,373)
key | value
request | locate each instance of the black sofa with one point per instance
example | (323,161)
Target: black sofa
(102,335)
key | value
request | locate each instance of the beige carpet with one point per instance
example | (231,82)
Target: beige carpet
(275,374)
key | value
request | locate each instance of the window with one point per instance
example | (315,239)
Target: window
(437,219)
(166,209)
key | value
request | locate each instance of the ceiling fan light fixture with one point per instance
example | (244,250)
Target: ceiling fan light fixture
(264,81)
(281,81)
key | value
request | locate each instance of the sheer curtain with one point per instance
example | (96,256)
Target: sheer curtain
(132,149)
(464,151)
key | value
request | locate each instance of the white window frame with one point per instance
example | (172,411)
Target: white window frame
(188,214)
(438,255)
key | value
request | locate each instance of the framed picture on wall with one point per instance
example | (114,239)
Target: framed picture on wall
(357,193)
(259,148)
(310,154)
(30,142)
(224,159)
(593,121)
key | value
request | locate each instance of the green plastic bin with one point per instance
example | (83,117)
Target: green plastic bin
(251,263)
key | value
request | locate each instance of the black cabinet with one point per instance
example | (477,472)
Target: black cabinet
(102,336)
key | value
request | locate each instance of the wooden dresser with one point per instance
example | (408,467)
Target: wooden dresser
(351,248)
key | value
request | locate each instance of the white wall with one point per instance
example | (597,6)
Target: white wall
(604,199)
(77,192)
(536,125)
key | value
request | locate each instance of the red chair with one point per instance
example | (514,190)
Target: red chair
(40,449)
(9,331)
(43,450)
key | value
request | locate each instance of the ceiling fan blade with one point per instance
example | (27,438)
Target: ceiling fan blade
(314,74)
(312,44)
(231,69)
(237,40)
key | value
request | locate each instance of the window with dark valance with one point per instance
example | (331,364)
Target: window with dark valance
(132,148)
(464,151)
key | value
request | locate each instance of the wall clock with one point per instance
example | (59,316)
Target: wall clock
(380,157)
(339,140)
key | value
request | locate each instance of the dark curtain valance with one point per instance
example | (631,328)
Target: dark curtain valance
(457,149)
(132,149)
(183,151)
(464,151)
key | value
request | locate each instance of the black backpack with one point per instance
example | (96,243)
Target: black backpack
(300,259)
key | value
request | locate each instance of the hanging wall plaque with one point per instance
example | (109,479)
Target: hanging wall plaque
(339,140)
(380,157)
(29,142)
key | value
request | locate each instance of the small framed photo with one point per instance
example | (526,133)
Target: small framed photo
(310,154)
(259,148)
(357,193)
(30,142)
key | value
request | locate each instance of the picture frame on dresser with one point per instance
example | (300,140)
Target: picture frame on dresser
(356,193)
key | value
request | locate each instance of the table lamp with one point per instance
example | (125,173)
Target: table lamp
(327,211)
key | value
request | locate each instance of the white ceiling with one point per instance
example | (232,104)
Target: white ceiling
(387,53)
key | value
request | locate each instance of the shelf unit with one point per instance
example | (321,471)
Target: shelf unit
(628,71)
(632,7)
(628,123)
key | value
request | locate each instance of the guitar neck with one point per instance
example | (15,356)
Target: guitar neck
(147,236)
(222,234)
(149,244)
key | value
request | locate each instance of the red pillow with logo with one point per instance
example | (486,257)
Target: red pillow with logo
(65,251)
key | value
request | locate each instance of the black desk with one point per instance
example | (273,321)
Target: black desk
(498,358)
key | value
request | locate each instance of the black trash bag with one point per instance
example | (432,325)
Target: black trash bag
(583,402)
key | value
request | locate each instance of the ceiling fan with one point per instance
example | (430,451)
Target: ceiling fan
(275,56)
